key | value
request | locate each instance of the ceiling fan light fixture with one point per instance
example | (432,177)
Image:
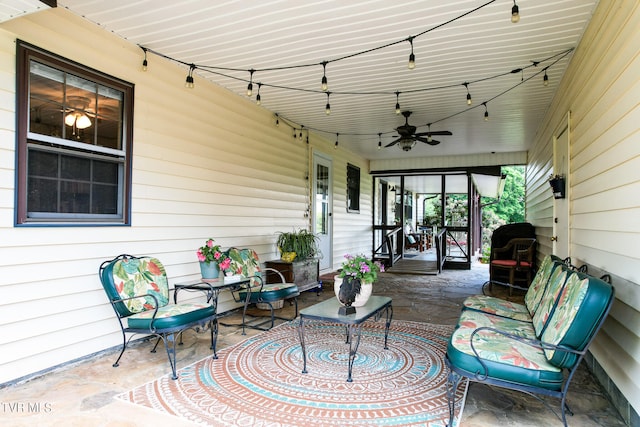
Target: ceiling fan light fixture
(83,121)
(407,144)
(70,119)
(79,120)
(515,13)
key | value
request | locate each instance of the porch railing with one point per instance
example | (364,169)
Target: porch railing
(389,240)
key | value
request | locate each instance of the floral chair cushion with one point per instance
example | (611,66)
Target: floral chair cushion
(142,277)
(583,301)
(475,319)
(548,301)
(539,284)
(498,307)
(245,262)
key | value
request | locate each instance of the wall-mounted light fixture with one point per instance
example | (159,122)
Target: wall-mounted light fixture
(558,186)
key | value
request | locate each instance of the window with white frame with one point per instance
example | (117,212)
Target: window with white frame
(74,142)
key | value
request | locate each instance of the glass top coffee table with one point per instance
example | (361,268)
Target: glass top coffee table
(327,311)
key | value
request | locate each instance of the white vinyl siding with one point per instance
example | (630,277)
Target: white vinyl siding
(601,89)
(206,163)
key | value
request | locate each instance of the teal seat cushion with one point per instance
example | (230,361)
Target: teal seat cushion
(271,292)
(171,316)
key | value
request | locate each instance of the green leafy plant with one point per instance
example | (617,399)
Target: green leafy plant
(303,242)
(360,267)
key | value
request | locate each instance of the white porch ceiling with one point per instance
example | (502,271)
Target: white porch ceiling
(243,35)
(16,8)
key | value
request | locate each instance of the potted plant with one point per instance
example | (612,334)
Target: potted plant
(301,244)
(354,284)
(212,260)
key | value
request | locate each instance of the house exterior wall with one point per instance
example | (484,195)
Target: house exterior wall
(206,163)
(601,89)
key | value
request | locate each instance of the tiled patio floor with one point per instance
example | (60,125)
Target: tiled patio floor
(82,394)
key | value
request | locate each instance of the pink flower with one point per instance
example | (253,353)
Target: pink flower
(217,255)
(210,243)
(225,264)
(201,256)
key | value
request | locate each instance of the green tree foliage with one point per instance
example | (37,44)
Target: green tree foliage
(510,208)
(511,205)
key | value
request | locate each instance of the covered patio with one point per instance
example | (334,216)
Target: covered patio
(115,151)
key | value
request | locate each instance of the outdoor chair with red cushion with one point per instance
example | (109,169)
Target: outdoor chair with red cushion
(517,257)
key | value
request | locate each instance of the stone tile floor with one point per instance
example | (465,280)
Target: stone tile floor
(82,393)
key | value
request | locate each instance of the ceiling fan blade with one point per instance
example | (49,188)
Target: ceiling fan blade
(433,142)
(393,142)
(421,139)
(435,132)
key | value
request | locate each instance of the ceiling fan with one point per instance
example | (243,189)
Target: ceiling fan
(408,135)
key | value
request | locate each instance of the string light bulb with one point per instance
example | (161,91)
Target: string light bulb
(324,85)
(277,120)
(250,85)
(144,61)
(397,102)
(466,85)
(335,147)
(429,139)
(486,112)
(545,78)
(258,97)
(189,83)
(412,57)
(379,141)
(327,108)
(300,136)
(515,13)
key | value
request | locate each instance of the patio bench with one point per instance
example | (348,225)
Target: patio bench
(529,347)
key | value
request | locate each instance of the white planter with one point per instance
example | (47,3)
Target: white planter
(361,299)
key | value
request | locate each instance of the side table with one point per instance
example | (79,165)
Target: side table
(327,311)
(211,288)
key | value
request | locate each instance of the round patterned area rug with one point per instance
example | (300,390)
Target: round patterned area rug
(259,381)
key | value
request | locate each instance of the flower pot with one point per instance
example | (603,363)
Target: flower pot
(209,270)
(366,289)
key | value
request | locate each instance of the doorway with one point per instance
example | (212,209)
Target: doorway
(560,236)
(322,208)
